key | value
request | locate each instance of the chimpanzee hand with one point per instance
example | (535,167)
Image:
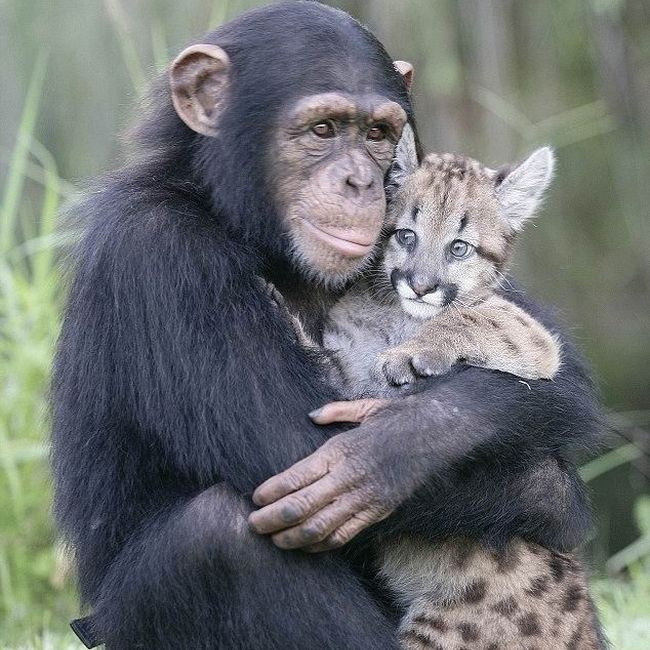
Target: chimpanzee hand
(354,480)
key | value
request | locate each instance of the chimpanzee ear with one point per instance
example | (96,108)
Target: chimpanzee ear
(520,189)
(406,70)
(405,161)
(199,78)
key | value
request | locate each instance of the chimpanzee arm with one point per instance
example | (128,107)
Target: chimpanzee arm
(493,499)
(523,479)
(413,446)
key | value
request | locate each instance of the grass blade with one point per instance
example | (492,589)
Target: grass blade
(15,180)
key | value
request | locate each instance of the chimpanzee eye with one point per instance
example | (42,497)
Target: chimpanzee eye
(324,129)
(377,133)
(406,238)
(460,249)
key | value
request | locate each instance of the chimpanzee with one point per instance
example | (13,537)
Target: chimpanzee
(179,388)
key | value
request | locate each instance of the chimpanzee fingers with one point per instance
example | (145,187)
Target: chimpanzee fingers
(352,411)
(300,475)
(296,507)
(349,529)
(319,526)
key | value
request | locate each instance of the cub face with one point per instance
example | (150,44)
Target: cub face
(454,224)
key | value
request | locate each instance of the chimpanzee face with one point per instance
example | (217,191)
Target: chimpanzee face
(324,165)
(328,166)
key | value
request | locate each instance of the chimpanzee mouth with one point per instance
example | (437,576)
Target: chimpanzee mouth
(348,243)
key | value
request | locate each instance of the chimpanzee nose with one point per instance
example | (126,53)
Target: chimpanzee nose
(422,285)
(360,180)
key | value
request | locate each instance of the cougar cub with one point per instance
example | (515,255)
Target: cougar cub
(432,299)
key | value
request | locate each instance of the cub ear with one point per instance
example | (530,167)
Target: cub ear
(405,161)
(199,79)
(520,189)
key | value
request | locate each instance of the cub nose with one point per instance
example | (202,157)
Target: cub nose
(422,285)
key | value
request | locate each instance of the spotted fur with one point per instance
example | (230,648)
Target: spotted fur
(460,595)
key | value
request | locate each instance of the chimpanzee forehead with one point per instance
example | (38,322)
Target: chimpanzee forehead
(371,107)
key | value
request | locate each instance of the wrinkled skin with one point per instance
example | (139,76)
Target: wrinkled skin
(328,164)
(323,501)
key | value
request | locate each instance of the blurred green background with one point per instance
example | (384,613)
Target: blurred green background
(494,78)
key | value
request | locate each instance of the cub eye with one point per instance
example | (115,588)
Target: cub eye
(324,129)
(377,133)
(460,249)
(406,238)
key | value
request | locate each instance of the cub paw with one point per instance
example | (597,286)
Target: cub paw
(430,364)
(396,368)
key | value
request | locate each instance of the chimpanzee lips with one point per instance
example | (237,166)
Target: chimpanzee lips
(348,242)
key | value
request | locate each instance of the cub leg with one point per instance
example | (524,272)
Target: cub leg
(495,334)
(524,596)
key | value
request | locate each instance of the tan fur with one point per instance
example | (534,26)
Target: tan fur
(445,188)
(382,331)
(448,198)
(459,594)
(521,597)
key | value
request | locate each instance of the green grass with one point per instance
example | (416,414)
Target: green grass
(36,595)
(624,607)
(33,592)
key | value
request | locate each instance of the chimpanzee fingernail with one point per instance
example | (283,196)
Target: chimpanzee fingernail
(316,413)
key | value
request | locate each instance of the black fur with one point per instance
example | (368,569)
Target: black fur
(178,388)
